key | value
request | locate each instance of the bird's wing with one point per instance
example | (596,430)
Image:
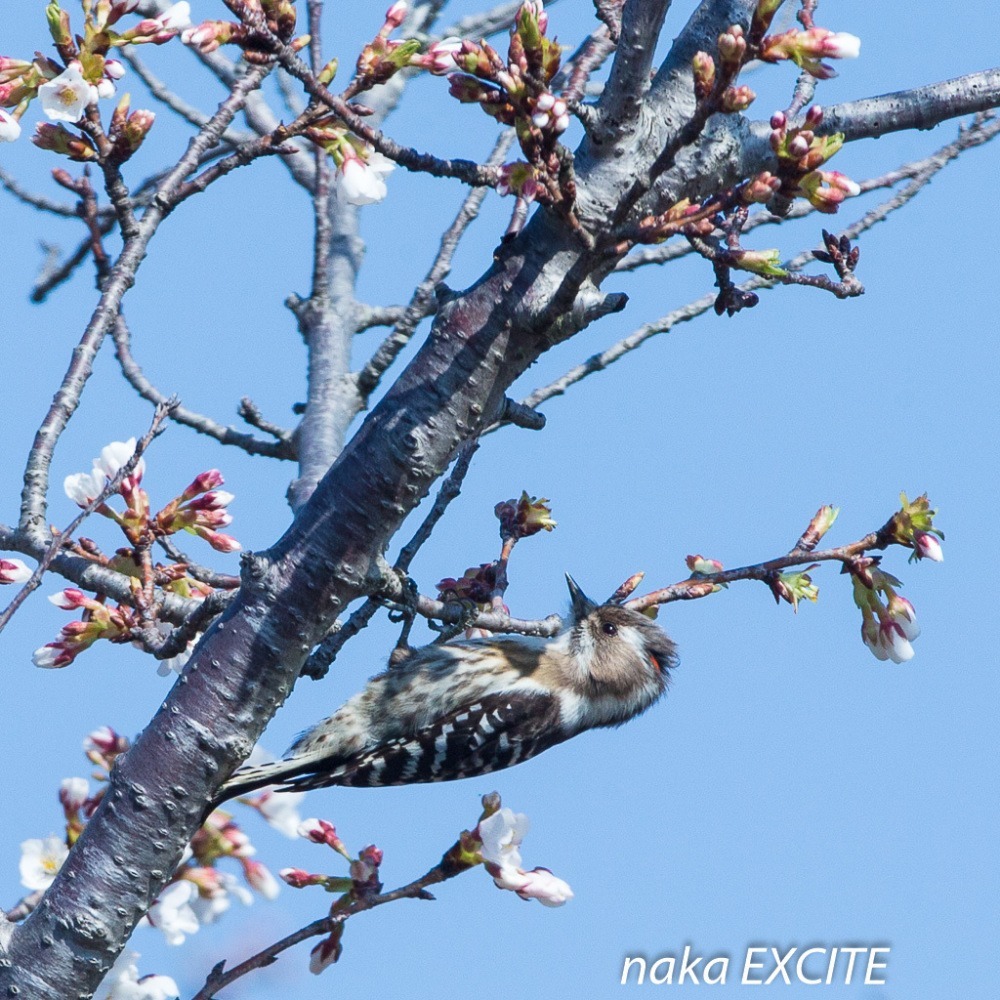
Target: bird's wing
(495,732)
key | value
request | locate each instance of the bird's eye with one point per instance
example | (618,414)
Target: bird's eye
(609,628)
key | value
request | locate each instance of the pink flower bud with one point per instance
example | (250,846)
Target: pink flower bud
(927,546)
(14,571)
(299,878)
(396,14)
(814,116)
(69,599)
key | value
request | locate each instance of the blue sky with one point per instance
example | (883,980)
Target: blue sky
(790,790)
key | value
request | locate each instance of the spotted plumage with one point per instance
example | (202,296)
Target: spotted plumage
(462,709)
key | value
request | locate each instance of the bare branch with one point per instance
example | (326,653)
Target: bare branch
(371,316)
(919,108)
(282,448)
(177,104)
(641,22)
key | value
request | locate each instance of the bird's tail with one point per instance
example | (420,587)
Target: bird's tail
(251,779)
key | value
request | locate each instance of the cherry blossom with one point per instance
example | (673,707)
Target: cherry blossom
(65,97)
(124,983)
(10,127)
(40,860)
(173,912)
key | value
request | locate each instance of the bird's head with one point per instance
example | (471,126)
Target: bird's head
(618,652)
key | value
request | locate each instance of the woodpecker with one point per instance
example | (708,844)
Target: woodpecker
(462,709)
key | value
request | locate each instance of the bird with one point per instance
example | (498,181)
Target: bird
(465,708)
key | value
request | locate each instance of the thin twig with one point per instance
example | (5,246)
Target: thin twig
(39,201)
(417,889)
(177,104)
(704,584)
(25,906)
(283,448)
(251,413)
(203,574)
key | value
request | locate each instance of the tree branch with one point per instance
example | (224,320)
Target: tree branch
(282,448)
(619,106)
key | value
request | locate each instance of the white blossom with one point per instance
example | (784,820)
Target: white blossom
(113,456)
(361,182)
(173,914)
(10,127)
(65,97)
(176,17)
(82,487)
(40,860)
(123,982)
(281,810)
(501,835)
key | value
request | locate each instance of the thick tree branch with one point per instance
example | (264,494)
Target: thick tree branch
(919,108)
(622,99)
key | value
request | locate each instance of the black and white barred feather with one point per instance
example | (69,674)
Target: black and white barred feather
(463,709)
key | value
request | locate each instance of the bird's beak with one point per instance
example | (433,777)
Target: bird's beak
(582,604)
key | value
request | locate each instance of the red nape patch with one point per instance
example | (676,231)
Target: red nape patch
(656,664)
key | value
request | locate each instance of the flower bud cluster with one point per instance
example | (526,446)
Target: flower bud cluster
(200,510)
(801,152)
(515,91)
(200,892)
(889,627)
(475,585)
(383,57)
(99,621)
(86,74)
(362,881)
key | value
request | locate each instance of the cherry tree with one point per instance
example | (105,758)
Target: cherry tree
(613,154)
